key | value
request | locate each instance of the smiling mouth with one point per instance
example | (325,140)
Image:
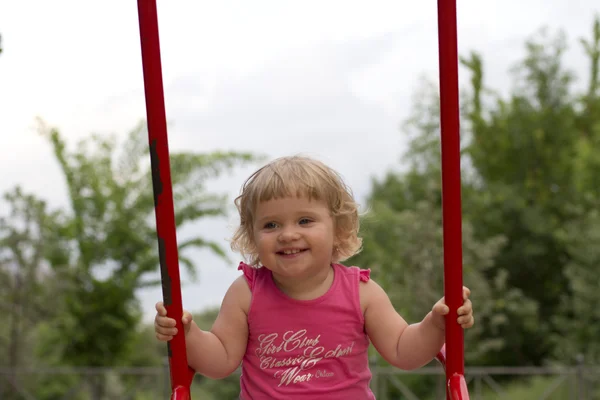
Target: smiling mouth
(291,252)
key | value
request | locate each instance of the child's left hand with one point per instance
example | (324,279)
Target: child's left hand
(465,312)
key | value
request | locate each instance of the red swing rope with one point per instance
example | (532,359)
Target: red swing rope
(181,375)
(451,197)
(452,355)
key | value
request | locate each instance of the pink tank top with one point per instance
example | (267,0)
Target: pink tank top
(313,349)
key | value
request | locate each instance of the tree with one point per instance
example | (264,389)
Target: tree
(581,235)
(531,153)
(578,317)
(529,195)
(27,242)
(404,249)
(110,229)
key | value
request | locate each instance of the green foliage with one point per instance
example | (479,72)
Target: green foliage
(412,275)
(529,200)
(578,319)
(100,321)
(534,388)
(112,231)
(530,219)
(28,285)
(86,263)
(534,167)
(24,235)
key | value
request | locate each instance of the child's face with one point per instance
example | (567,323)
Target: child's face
(294,236)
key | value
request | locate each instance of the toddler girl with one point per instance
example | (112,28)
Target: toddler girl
(297,320)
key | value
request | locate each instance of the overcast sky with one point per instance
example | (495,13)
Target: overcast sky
(331,79)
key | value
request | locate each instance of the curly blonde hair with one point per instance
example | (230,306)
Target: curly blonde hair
(299,176)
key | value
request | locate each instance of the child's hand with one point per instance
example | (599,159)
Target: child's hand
(165,326)
(465,312)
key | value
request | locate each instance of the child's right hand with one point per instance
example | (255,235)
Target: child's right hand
(165,327)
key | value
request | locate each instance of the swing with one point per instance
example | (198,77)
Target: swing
(451,355)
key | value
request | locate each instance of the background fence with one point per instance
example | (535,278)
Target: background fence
(152,383)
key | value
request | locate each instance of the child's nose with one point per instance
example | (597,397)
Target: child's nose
(288,234)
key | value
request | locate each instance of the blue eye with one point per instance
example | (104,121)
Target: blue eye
(270,225)
(305,221)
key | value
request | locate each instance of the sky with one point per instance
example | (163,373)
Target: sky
(333,80)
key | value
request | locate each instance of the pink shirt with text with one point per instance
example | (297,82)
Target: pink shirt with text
(313,349)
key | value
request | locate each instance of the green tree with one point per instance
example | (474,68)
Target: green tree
(578,319)
(531,153)
(111,233)
(403,246)
(27,298)
(529,194)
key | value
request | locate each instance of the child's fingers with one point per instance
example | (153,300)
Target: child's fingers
(165,326)
(441,308)
(166,331)
(164,338)
(466,292)
(466,321)
(160,309)
(466,308)
(164,322)
(187,317)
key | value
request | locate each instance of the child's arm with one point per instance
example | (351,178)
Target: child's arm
(404,346)
(218,353)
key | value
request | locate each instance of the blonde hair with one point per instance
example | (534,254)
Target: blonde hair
(299,176)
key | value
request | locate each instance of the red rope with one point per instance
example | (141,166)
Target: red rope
(451,194)
(163,194)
